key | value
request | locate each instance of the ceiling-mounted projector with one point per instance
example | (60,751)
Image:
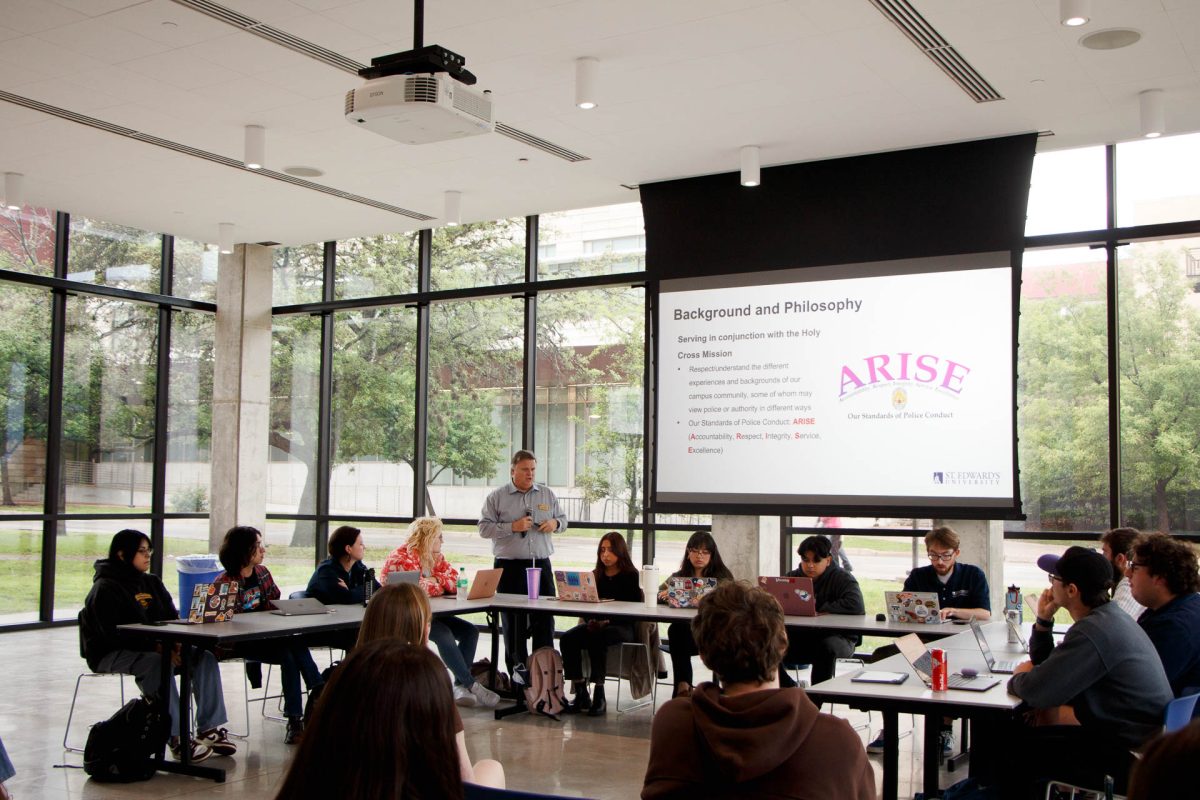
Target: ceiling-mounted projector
(418,109)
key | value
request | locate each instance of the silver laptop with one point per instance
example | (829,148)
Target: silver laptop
(994,666)
(913,650)
(406,576)
(298,608)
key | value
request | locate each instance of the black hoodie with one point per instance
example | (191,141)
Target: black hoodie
(121,594)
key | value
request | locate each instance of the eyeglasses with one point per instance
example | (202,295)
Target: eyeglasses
(146,551)
(699,552)
(941,556)
(1054,577)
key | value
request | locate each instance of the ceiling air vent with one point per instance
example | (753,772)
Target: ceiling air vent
(939,51)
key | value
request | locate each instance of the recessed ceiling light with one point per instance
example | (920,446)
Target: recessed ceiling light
(1111,39)
(304,172)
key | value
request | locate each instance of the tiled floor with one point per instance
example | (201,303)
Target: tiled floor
(580,757)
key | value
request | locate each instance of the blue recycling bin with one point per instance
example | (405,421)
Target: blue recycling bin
(194,570)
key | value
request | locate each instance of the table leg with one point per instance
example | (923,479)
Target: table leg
(184,766)
(891,755)
(933,755)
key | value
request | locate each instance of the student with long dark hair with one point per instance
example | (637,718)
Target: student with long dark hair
(701,559)
(124,592)
(383,728)
(401,611)
(342,578)
(616,579)
(241,555)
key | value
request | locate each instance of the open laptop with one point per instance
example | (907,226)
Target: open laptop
(212,603)
(994,666)
(299,608)
(795,594)
(578,586)
(919,607)
(404,576)
(485,583)
(913,650)
(687,592)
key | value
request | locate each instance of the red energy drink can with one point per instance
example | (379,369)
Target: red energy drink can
(939,672)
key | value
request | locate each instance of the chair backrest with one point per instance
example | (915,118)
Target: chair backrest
(300,595)
(1179,712)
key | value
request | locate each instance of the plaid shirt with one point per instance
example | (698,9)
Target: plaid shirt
(253,598)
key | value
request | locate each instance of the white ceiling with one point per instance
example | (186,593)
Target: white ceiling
(682,85)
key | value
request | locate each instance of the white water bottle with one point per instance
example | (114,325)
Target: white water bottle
(462,583)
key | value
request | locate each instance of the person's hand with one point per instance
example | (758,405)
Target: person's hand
(342,584)
(1046,607)
(1024,666)
(662,595)
(549,526)
(522,525)
(948,613)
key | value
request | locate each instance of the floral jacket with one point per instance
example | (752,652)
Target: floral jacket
(443,581)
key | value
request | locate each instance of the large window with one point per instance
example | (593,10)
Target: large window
(1159,345)
(114,255)
(1062,390)
(591,241)
(373,421)
(292,474)
(479,254)
(376,266)
(27,240)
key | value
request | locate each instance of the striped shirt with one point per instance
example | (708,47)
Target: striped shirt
(1123,597)
(508,504)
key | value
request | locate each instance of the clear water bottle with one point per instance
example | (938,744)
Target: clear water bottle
(462,583)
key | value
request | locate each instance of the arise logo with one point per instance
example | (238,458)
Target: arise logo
(938,371)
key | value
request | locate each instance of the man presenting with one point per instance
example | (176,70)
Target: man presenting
(519,518)
(1117,545)
(1164,579)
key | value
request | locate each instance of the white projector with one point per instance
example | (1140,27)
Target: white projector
(417,109)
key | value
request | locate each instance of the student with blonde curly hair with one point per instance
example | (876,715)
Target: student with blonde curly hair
(455,638)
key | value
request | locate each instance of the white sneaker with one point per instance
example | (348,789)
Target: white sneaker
(463,697)
(486,697)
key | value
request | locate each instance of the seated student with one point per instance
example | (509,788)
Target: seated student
(124,592)
(837,592)
(747,737)
(6,771)
(1117,546)
(701,559)
(1168,766)
(341,579)
(242,554)
(616,579)
(1164,578)
(454,637)
(962,589)
(402,612)
(1105,669)
(384,728)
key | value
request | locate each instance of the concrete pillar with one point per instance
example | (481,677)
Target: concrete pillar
(983,546)
(241,392)
(749,545)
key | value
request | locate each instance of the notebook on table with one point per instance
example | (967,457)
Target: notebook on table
(577,586)
(994,666)
(795,594)
(299,608)
(913,650)
(919,607)
(687,592)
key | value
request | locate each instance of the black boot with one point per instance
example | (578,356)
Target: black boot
(582,702)
(295,730)
(598,705)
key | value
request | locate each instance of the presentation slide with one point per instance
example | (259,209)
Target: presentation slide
(884,385)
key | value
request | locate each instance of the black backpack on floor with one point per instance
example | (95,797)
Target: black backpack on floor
(122,748)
